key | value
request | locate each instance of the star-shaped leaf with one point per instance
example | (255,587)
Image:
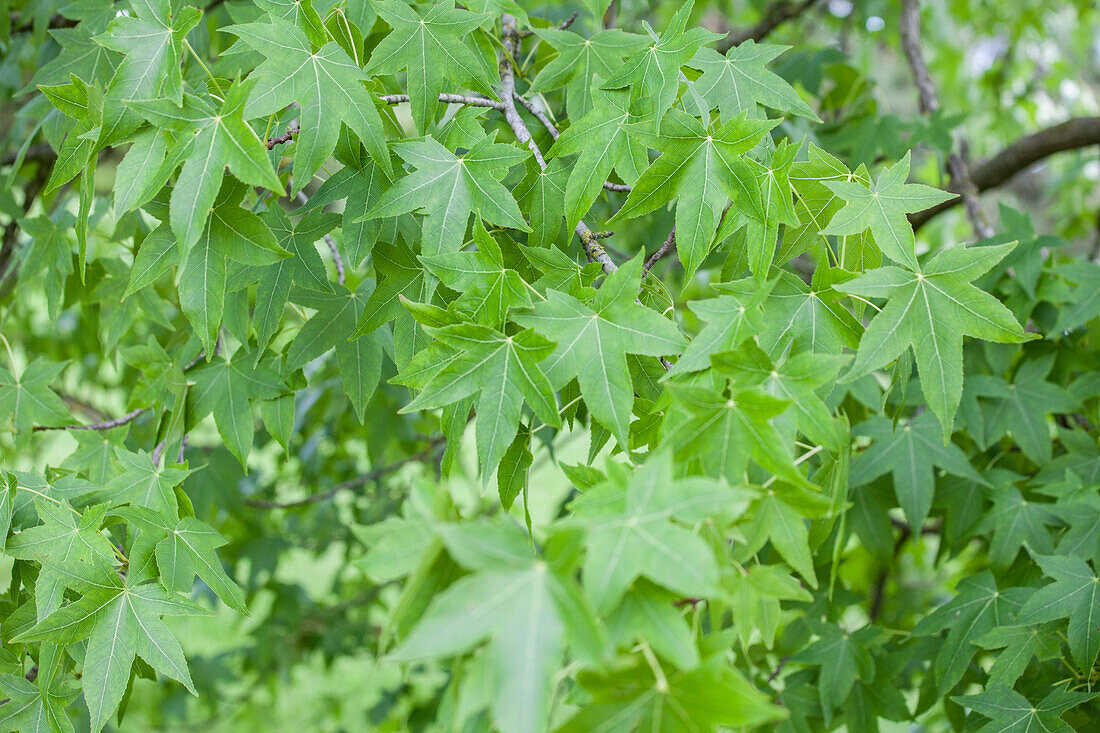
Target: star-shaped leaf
(326,84)
(881,207)
(930,310)
(909,453)
(1011,712)
(1075,593)
(738,82)
(701,168)
(152,41)
(184,549)
(27,400)
(120,621)
(505,370)
(1021,406)
(140,483)
(449,187)
(227,387)
(578,59)
(593,341)
(431,45)
(209,140)
(730,320)
(630,534)
(604,143)
(489,288)
(514,600)
(653,74)
(64,539)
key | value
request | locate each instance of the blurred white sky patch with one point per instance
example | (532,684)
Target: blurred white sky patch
(841,8)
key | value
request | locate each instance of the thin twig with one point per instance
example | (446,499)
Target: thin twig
(667,246)
(351,484)
(539,115)
(909,27)
(333,248)
(567,22)
(101,425)
(448,98)
(779,668)
(284,138)
(776,14)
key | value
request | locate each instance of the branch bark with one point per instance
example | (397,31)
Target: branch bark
(959,172)
(776,15)
(1078,132)
(592,247)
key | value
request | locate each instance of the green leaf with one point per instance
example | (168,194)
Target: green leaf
(630,535)
(580,58)
(185,549)
(228,387)
(604,143)
(326,84)
(931,309)
(909,453)
(1011,712)
(738,82)
(431,44)
(593,341)
(152,42)
(843,658)
(881,207)
(450,187)
(1021,407)
(504,370)
(208,141)
(707,698)
(119,624)
(700,168)
(653,74)
(1075,593)
(141,483)
(27,400)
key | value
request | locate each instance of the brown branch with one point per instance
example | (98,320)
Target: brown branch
(286,137)
(909,27)
(101,425)
(352,483)
(667,246)
(1075,133)
(11,232)
(776,15)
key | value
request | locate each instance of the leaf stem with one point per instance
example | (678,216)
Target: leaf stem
(204,67)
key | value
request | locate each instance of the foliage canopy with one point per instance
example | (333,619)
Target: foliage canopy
(598,366)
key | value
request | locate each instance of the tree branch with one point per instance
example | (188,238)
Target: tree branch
(909,27)
(776,15)
(539,115)
(1078,132)
(448,98)
(592,247)
(352,483)
(667,246)
(101,425)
